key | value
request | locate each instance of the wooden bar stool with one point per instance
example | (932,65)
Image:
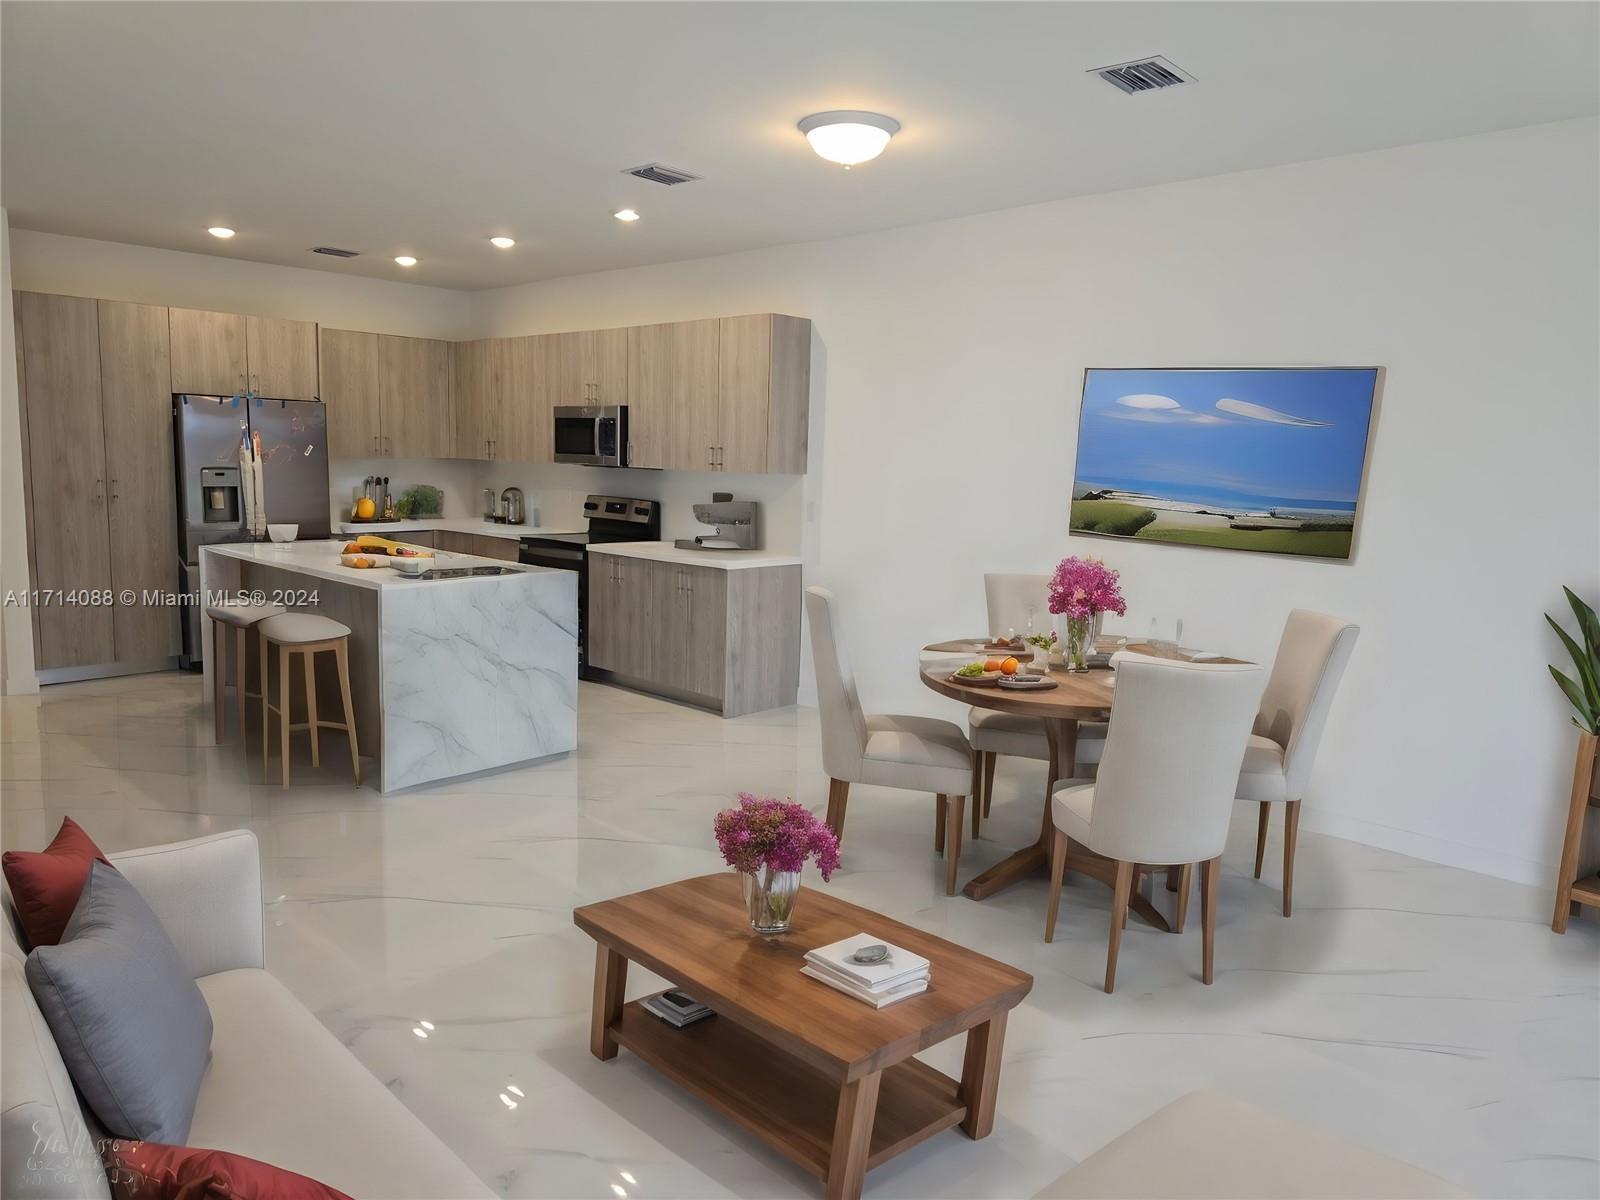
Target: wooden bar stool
(304,634)
(237,614)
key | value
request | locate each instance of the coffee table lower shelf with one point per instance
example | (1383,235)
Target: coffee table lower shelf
(787,1103)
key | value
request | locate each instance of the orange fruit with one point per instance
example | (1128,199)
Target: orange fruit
(1009,667)
(366,509)
(351,547)
(992,664)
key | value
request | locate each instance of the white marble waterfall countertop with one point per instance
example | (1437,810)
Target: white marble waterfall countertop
(725,560)
(321,559)
(475,525)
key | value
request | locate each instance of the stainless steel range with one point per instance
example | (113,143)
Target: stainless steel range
(611,519)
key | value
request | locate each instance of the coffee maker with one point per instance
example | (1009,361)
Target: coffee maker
(733,520)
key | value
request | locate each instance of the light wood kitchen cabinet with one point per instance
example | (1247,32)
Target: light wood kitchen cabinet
(672,395)
(505,549)
(414,397)
(763,394)
(728,640)
(475,385)
(452,542)
(586,368)
(350,392)
(136,407)
(517,367)
(67,463)
(282,358)
(210,354)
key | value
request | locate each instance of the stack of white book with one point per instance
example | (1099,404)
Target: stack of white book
(676,1007)
(898,977)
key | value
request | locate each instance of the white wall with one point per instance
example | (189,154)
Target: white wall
(16,626)
(1467,268)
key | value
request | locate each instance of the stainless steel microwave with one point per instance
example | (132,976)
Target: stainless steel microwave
(597,436)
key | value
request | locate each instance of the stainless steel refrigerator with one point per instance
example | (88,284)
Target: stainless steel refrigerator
(207,431)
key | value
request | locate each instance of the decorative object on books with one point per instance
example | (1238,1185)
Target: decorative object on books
(768,842)
(1080,590)
(1584,695)
(1255,458)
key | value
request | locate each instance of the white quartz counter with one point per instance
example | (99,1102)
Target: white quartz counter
(321,560)
(475,525)
(725,560)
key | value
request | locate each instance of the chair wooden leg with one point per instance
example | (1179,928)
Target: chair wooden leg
(938,823)
(1121,892)
(342,654)
(284,658)
(241,663)
(219,671)
(976,792)
(989,760)
(1172,878)
(952,852)
(1209,870)
(838,799)
(266,700)
(1261,834)
(1291,831)
(1058,868)
(309,661)
(1185,886)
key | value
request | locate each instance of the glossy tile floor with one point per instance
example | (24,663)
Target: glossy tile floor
(1424,1011)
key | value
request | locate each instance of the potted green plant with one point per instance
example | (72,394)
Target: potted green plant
(1583,693)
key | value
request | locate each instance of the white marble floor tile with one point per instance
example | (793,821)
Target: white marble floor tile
(1426,1012)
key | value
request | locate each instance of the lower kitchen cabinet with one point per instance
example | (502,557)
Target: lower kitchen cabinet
(452,542)
(728,640)
(489,546)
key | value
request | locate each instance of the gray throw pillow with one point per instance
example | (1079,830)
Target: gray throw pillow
(132,1027)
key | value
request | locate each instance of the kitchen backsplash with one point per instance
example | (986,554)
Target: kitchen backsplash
(456,478)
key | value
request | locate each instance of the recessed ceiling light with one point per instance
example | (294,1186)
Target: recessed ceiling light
(849,136)
(625,214)
(220,231)
(405,260)
(504,243)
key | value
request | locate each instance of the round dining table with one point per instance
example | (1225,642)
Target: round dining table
(1077,696)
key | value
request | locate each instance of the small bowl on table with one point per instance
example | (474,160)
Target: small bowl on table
(283,533)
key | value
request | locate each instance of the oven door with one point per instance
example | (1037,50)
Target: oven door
(577,435)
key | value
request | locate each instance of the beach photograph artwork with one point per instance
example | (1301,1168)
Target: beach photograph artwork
(1250,458)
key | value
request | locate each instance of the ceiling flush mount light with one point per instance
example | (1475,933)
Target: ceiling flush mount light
(848,137)
(405,260)
(220,231)
(503,243)
(625,214)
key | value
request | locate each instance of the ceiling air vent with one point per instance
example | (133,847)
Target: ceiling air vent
(661,173)
(1144,75)
(335,251)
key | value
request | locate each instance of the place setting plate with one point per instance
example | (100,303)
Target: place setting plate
(987,679)
(1025,683)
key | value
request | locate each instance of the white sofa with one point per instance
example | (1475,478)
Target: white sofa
(279,1086)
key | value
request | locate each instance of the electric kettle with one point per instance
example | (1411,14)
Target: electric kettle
(511,506)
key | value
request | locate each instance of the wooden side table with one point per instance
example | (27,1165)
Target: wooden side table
(1571,891)
(827,1081)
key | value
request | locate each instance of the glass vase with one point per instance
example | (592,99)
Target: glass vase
(769,894)
(1078,644)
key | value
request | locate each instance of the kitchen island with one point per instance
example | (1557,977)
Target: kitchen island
(448,677)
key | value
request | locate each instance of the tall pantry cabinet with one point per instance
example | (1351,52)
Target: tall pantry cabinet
(95,378)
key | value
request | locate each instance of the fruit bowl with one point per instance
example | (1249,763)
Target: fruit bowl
(361,561)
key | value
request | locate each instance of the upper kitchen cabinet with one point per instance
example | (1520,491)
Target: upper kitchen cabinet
(209,352)
(586,368)
(349,373)
(477,370)
(525,418)
(764,394)
(672,395)
(282,358)
(414,397)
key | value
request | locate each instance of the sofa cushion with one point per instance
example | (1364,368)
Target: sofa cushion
(150,1171)
(129,1021)
(49,1152)
(282,1089)
(1209,1145)
(45,885)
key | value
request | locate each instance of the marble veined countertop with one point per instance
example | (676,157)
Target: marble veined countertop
(475,525)
(321,560)
(726,560)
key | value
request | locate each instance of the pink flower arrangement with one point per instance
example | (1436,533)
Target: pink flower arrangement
(780,834)
(1082,587)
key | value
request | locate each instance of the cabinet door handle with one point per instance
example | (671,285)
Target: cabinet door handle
(711,457)
(720,465)
(99,490)
(115,494)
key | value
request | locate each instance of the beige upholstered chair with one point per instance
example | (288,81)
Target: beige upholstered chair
(1165,789)
(1017,602)
(1312,655)
(921,754)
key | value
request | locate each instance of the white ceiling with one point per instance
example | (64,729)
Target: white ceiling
(426,128)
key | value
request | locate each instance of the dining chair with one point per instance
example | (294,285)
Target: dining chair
(1165,788)
(920,754)
(1311,659)
(1018,602)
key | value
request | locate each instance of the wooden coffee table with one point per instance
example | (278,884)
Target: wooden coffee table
(827,1081)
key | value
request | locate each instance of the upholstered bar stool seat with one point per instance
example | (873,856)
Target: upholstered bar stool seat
(305,634)
(239,615)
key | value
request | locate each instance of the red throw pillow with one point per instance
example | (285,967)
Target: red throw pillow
(148,1171)
(45,885)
